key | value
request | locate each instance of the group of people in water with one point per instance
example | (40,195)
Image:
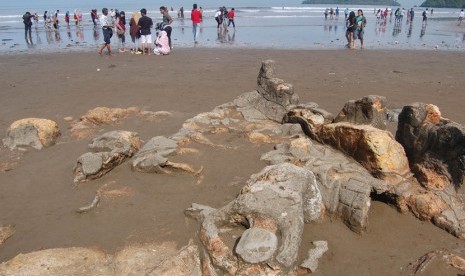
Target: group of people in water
(139,27)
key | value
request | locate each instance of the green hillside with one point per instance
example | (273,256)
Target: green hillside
(355,2)
(444,4)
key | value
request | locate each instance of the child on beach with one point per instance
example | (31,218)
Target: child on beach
(107,29)
(162,46)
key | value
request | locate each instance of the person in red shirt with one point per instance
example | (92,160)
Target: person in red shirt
(196,17)
(231,18)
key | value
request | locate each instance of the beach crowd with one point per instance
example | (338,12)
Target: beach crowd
(139,27)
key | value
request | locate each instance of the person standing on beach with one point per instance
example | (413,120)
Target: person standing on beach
(346,13)
(218,16)
(461,15)
(167,20)
(45,17)
(360,22)
(134,32)
(121,30)
(425,17)
(182,12)
(195,17)
(75,17)
(350,29)
(107,29)
(67,18)
(27,27)
(145,24)
(412,14)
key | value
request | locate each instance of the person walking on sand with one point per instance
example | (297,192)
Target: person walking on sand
(195,17)
(107,29)
(134,32)
(231,15)
(167,20)
(360,23)
(145,24)
(121,30)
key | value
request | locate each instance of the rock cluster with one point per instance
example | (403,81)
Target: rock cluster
(108,151)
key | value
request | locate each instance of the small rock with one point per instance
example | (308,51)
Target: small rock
(257,245)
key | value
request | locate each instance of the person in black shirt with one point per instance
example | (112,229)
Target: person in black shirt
(145,24)
(27,27)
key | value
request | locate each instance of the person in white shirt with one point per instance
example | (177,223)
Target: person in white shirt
(461,15)
(107,28)
(219,17)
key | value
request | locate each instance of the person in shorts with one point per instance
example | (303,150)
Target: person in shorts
(107,29)
(360,22)
(145,24)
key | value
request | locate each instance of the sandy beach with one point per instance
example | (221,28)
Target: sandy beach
(38,195)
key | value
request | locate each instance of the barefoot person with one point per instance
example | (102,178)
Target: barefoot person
(360,22)
(145,24)
(107,29)
(196,18)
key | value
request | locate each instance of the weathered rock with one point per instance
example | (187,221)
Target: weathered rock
(279,199)
(435,146)
(311,263)
(308,118)
(369,110)
(272,99)
(344,184)
(6,231)
(374,149)
(106,115)
(445,263)
(109,150)
(149,259)
(426,206)
(256,245)
(185,262)
(33,132)
(59,261)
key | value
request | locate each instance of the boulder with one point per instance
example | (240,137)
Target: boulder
(108,151)
(437,262)
(33,132)
(435,146)
(369,110)
(374,149)
(309,118)
(106,115)
(256,245)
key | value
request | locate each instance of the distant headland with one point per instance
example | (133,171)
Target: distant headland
(354,2)
(459,4)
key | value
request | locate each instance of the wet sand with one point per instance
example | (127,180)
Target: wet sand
(39,198)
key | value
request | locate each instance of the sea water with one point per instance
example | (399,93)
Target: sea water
(276,24)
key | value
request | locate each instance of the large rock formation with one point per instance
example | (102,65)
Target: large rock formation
(369,110)
(31,132)
(108,151)
(276,201)
(435,146)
